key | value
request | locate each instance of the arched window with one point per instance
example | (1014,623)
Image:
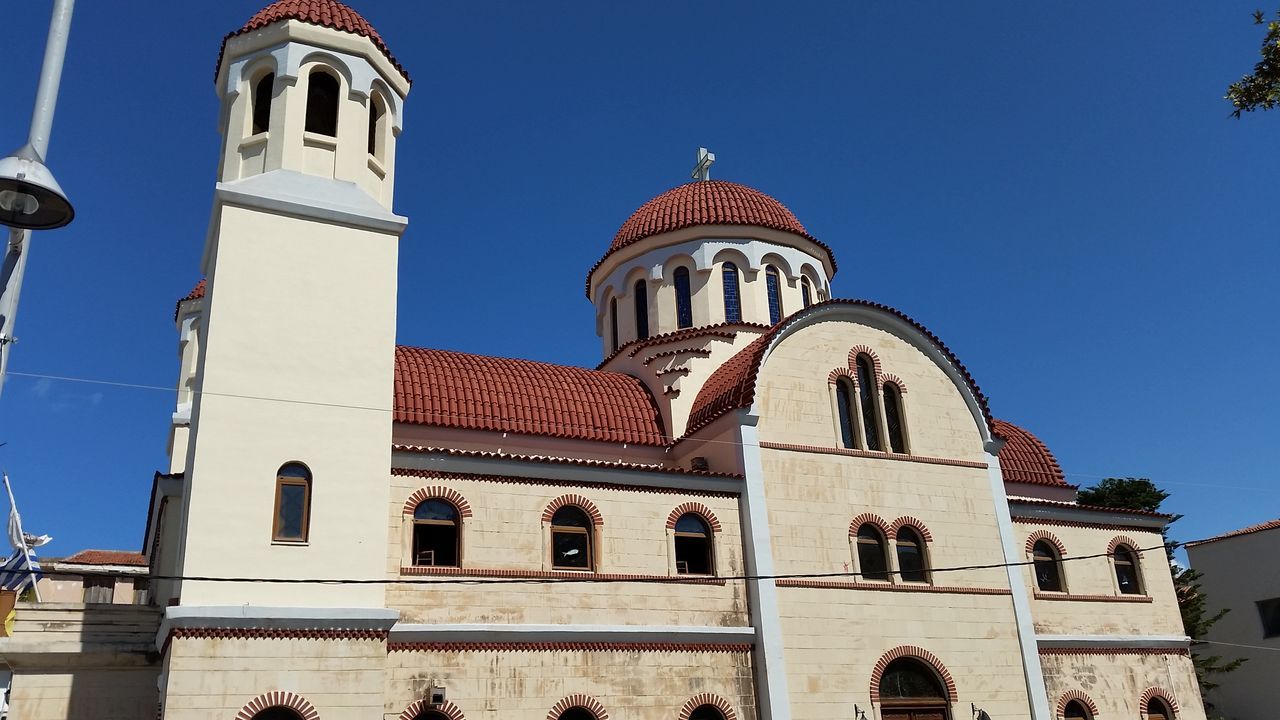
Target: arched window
(867,396)
(773,287)
(909,689)
(694,554)
(732,298)
(1048,566)
(577,713)
(913,565)
(893,418)
(377,124)
(706,712)
(430,715)
(262,93)
(435,534)
(684,301)
(277,713)
(1126,563)
(322,103)
(1158,710)
(613,323)
(806,292)
(1075,710)
(642,310)
(571,539)
(293,504)
(844,406)
(873,560)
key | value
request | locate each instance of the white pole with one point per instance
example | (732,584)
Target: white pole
(26,552)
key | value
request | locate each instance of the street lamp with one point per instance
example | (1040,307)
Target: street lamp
(30,199)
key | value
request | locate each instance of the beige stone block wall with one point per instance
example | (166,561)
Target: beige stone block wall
(213,678)
(526,684)
(506,532)
(1116,683)
(101,694)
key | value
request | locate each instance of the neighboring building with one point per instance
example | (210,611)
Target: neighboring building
(1240,573)
(95,576)
(762,503)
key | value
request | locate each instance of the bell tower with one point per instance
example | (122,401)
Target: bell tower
(290,428)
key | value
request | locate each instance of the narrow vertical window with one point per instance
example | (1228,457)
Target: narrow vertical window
(1127,571)
(912,563)
(613,323)
(642,310)
(844,406)
(893,418)
(773,286)
(806,292)
(293,504)
(377,115)
(262,103)
(435,534)
(732,300)
(873,561)
(571,540)
(322,103)
(684,302)
(1048,567)
(867,396)
(693,546)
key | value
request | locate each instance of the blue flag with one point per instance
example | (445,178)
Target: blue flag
(21,569)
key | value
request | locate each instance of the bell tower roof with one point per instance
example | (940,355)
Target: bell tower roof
(324,13)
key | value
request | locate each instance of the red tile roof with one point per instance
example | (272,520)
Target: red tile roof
(1270,525)
(325,13)
(732,386)
(452,389)
(1091,508)
(553,460)
(1024,459)
(706,202)
(196,293)
(106,557)
(726,331)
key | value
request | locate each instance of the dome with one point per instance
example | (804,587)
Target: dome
(1025,459)
(325,13)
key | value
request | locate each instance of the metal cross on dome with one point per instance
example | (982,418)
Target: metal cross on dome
(702,171)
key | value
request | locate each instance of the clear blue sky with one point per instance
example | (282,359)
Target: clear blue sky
(1055,189)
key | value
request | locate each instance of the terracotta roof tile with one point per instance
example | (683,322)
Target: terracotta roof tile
(554,460)
(106,557)
(727,331)
(1269,525)
(1025,459)
(325,13)
(196,293)
(1091,508)
(452,389)
(706,202)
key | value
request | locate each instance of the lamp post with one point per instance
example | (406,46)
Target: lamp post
(30,198)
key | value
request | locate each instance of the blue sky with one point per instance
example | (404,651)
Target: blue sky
(1055,189)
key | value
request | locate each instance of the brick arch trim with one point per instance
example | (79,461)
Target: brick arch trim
(278,698)
(697,509)
(857,350)
(1119,540)
(917,653)
(869,518)
(447,709)
(1155,692)
(437,492)
(887,378)
(586,702)
(715,701)
(578,501)
(914,524)
(841,372)
(1079,696)
(1052,539)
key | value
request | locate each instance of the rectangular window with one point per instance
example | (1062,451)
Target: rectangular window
(293,505)
(99,589)
(570,550)
(140,588)
(1269,611)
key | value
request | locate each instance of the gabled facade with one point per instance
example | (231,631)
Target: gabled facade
(763,503)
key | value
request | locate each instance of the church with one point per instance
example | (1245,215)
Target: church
(763,502)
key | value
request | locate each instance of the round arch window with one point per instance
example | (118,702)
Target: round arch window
(277,713)
(706,712)
(1076,711)
(577,713)
(693,546)
(571,546)
(911,690)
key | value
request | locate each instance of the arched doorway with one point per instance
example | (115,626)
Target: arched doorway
(911,690)
(1158,710)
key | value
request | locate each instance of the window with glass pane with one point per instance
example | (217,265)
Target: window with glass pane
(893,418)
(684,301)
(911,558)
(435,534)
(844,406)
(322,104)
(693,546)
(906,678)
(293,503)
(613,323)
(1127,571)
(571,539)
(806,292)
(262,103)
(1269,612)
(706,712)
(873,561)
(1047,567)
(867,396)
(732,300)
(642,310)
(773,287)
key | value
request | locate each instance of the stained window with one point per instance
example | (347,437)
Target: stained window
(732,299)
(377,121)
(642,310)
(613,323)
(806,292)
(262,93)
(1127,571)
(693,546)
(893,418)
(867,396)
(571,539)
(435,534)
(773,286)
(844,406)
(1076,711)
(1048,566)
(322,103)
(873,560)
(912,563)
(706,712)
(293,504)
(1269,612)
(684,302)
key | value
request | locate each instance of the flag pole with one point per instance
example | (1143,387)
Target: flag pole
(22,538)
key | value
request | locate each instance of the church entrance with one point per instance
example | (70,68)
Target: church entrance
(910,690)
